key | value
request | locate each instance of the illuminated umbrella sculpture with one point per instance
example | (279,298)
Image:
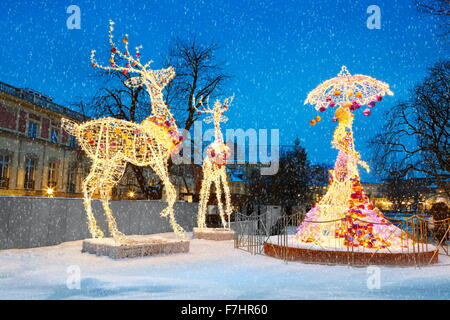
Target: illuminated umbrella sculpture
(345,217)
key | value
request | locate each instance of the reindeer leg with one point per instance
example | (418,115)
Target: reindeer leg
(112,174)
(219,201)
(226,189)
(171,197)
(112,224)
(204,193)
(89,186)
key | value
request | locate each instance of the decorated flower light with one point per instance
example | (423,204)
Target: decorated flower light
(111,143)
(214,165)
(345,216)
(352,91)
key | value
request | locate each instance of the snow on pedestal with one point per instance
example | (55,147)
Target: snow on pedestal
(217,234)
(134,246)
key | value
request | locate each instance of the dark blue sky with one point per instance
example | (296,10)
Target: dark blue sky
(277,50)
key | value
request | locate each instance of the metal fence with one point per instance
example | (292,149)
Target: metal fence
(427,241)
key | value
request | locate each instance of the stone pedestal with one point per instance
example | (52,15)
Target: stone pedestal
(134,246)
(217,234)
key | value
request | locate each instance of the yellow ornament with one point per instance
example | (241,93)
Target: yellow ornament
(342,114)
(312,122)
(318,118)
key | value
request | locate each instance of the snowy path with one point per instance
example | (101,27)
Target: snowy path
(212,270)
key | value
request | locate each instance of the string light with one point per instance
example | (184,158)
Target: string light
(111,143)
(50,192)
(214,165)
(345,216)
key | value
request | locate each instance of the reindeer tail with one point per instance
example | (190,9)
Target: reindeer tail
(70,126)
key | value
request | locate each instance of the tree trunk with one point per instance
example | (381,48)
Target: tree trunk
(139,174)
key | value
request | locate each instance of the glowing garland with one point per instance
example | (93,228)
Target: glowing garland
(110,143)
(345,216)
(214,166)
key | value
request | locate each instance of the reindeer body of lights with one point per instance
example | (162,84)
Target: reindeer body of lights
(112,143)
(214,166)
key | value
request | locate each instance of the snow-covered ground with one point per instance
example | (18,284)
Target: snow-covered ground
(211,270)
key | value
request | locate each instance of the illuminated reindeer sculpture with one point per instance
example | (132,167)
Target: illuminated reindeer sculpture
(110,143)
(214,170)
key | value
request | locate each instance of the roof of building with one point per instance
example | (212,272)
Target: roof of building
(40,101)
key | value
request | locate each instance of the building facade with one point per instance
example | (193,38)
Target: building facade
(37,157)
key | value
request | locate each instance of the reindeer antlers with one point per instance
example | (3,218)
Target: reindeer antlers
(218,105)
(159,78)
(216,111)
(133,64)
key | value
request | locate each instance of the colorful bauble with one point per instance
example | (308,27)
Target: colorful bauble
(218,153)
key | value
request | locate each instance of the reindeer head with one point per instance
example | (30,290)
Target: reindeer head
(216,111)
(154,80)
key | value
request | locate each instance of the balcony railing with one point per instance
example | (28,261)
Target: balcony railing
(52,184)
(22,94)
(4,183)
(29,185)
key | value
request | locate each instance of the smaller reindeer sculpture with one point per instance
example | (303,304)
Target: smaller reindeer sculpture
(214,170)
(111,143)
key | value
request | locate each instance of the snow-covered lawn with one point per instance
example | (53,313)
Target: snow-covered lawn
(211,270)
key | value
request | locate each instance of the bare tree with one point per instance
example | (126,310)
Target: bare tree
(415,137)
(198,76)
(437,8)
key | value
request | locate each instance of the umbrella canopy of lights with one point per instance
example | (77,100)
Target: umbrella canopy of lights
(345,216)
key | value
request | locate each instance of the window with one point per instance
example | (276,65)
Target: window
(30,170)
(72,142)
(4,171)
(52,178)
(32,129)
(71,179)
(54,135)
